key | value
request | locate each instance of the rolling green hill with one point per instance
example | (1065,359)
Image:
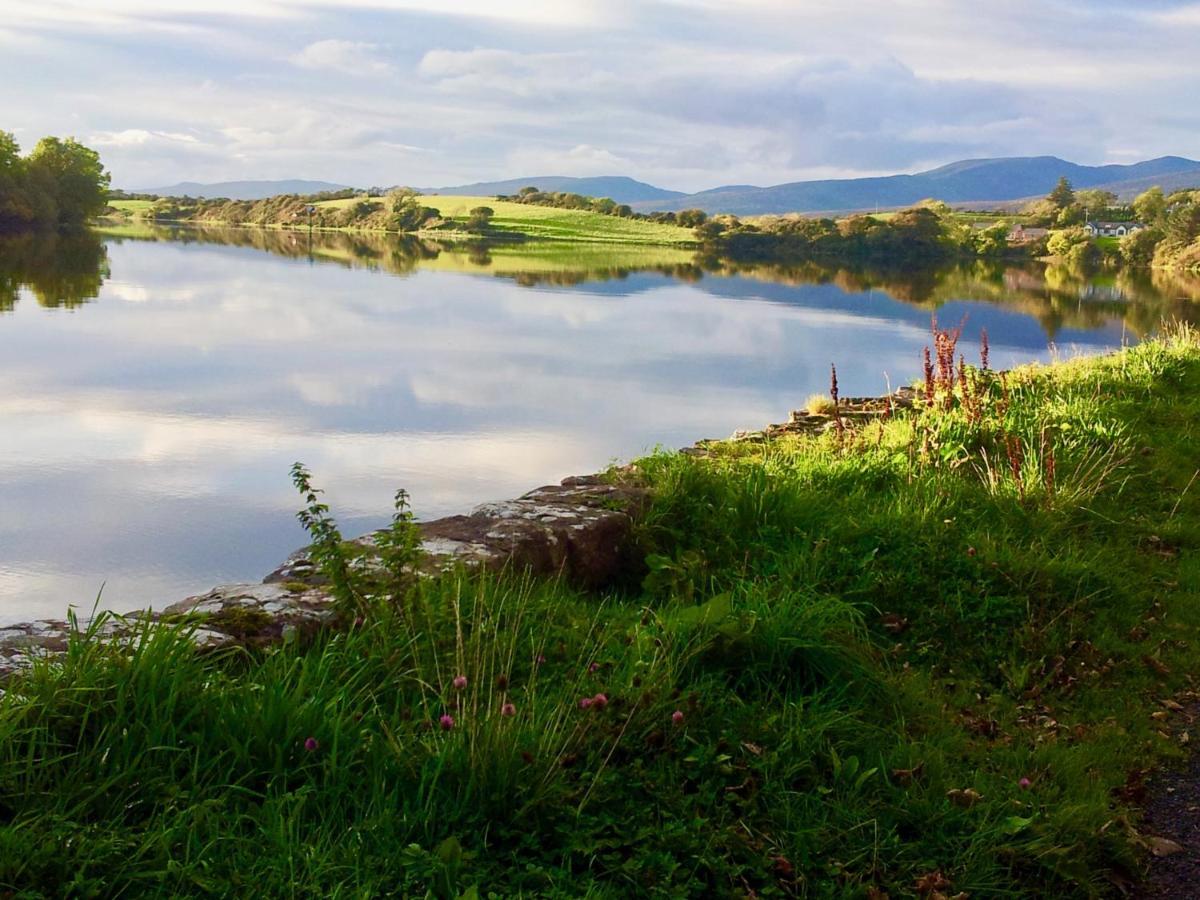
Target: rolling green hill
(548,223)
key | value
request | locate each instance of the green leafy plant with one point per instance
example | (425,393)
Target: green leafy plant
(328,548)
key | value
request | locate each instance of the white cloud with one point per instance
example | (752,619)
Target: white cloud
(687,93)
(582,159)
(154,14)
(349,57)
(1185,15)
(137,137)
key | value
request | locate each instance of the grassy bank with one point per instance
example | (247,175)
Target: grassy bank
(927,655)
(512,221)
(548,223)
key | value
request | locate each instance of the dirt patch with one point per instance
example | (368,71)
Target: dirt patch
(1171,826)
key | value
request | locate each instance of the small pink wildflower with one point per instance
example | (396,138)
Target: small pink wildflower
(508,710)
(446,721)
(677,717)
(459,682)
(585,702)
(311,744)
(600,701)
(1025,784)
(540,659)
(594,667)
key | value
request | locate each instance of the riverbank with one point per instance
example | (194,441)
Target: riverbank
(927,646)
(443,218)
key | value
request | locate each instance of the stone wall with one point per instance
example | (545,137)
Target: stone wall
(581,529)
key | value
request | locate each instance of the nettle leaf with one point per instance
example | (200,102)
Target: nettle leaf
(1016,824)
(709,613)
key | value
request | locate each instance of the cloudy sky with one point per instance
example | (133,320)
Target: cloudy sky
(687,94)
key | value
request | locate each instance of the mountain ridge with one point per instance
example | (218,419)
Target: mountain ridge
(242,190)
(975,180)
(620,188)
(981,181)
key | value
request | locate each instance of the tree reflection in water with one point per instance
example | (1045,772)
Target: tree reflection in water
(68,270)
(59,270)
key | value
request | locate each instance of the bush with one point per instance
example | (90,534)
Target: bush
(480,218)
(1138,248)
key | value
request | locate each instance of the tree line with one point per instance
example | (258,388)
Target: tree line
(924,233)
(400,210)
(606,206)
(59,184)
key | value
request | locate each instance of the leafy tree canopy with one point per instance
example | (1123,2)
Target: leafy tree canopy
(61,183)
(1150,206)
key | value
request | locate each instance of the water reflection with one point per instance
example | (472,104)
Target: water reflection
(1058,297)
(59,270)
(145,442)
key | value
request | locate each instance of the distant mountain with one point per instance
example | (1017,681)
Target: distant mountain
(615,187)
(241,190)
(1171,181)
(970,181)
(975,182)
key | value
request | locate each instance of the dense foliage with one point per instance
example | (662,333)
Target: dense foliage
(565,200)
(399,211)
(927,233)
(686,218)
(61,183)
(930,654)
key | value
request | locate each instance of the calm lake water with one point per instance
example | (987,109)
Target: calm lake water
(158,386)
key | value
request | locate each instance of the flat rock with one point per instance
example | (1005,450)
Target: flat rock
(581,528)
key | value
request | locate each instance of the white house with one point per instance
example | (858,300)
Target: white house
(1112,229)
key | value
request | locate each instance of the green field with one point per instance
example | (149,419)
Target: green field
(131,206)
(551,260)
(549,223)
(542,223)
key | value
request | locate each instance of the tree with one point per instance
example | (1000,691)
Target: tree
(939,207)
(10,153)
(993,240)
(1095,201)
(1138,248)
(15,209)
(1061,243)
(1150,206)
(1041,212)
(1063,194)
(1183,224)
(480,218)
(691,218)
(73,175)
(1070,215)
(405,212)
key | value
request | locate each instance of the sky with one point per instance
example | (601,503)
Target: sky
(685,94)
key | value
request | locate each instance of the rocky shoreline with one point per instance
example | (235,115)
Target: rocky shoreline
(581,529)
